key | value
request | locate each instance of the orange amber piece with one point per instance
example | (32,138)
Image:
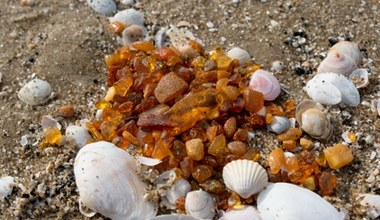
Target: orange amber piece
(218,146)
(211,132)
(110,114)
(327,183)
(291,134)
(321,159)
(129,137)
(289,145)
(274,109)
(187,167)
(126,108)
(52,135)
(102,104)
(199,62)
(180,204)
(232,92)
(221,84)
(202,173)
(253,100)
(276,160)
(195,45)
(241,135)
(143,45)
(66,111)
(257,121)
(122,86)
(108,130)
(292,164)
(164,53)
(161,150)
(253,68)
(289,104)
(116,27)
(95,133)
(338,156)
(269,118)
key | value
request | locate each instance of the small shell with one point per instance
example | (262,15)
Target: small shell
(350,49)
(104,7)
(107,182)
(200,204)
(180,188)
(160,39)
(266,83)
(129,16)
(48,121)
(245,177)
(134,33)
(287,201)
(277,66)
(6,186)
(279,124)
(78,135)
(243,213)
(372,203)
(147,161)
(360,78)
(239,54)
(35,92)
(174,217)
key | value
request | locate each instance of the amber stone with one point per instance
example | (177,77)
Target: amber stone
(195,149)
(143,45)
(129,137)
(241,135)
(164,53)
(217,146)
(276,160)
(116,27)
(161,149)
(237,105)
(210,160)
(321,159)
(291,134)
(108,130)
(187,167)
(94,131)
(66,111)
(252,153)
(169,87)
(292,164)
(234,201)
(232,92)
(306,144)
(102,104)
(201,173)
(289,145)
(229,127)
(179,149)
(237,148)
(310,183)
(274,109)
(180,204)
(253,100)
(126,108)
(257,121)
(338,156)
(123,85)
(212,186)
(327,183)
(211,132)
(52,135)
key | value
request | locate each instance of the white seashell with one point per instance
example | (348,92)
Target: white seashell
(129,16)
(180,188)
(134,33)
(375,106)
(127,2)
(372,203)
(239,54)
(147,161)
(160,39)
(359,78)
(350,49)
(35,92)
(266,83)
(245,177)
(78,135)
(243,213)
(277,66)
(48,121)
(107,182)
(287,201)
(6,186)
(104,7)
(179,38)
(280,124)
(174,217)
(332,88)
(200,204)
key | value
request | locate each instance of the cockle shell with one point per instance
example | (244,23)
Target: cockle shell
(332,88)
(128,16)
(239,54)
(107,182)
(104,7)
(77,135)
(180,188)
(200,204)
(359,78)
(134,33)
(310,117)
(242,213)
(266,83)
(35,92)
(290,202)
(245,177)
(280,124)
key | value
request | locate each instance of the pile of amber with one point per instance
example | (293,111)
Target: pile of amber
(196,115)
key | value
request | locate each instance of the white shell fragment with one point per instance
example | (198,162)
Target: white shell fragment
(245,177)
(48,121)
(280,201)
(35,92)
(105,7)
(375,106)
(372,203)
(359,78)
(107,182)
(180,188)
(277,66)
(128,16)
(280,124)
(160,39)
(148,161)
(6,186)
(332,88)
(243,213)
(134,33)
(200,204)
(179,38)
(77,135)
(174,217)
(239,54)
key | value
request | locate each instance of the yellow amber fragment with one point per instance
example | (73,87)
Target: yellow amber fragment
(143,45)
(110,114)
(232,92)
(195,149)
(52,136)
(129,137)
(95,133)
(108,130)
(309,183)
(321,159)
(338,156)
(218,146)
(234,201)
(122,86)
(111,92)
(102,104)
(161,150)
(251,69)
(352,136)
(199,62)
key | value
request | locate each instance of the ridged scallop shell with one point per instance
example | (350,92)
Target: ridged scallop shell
(239,54)
(200,204)
(242,213)
(108,184)
(280,124)
(134,33)
(35,92)
(332,88)
(266,83)
(128,16)
(245,177)
(279,201)
(359,78)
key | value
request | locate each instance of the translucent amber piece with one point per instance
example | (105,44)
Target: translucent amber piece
(211,132)
(352,136)
(221,84)
(223,62)
(306,144)
(202,173)
(234,201)
(116,27)
(108,130)
(327,183)
(195,149)
(252,154)
(129,137)
(126,108)
(195,45)
(251,69)
(291,134)
(111,92)
(276,160)
(164,53)
(289,104)
(321,159)
(253,100)
(274,109)
(102,104)
(230,127)
(218,146)
(122,86)
(289,145)
(310,183)
(161,150)
(143,45)
(241,135)
(232,92)
(187,166)
(199,62)
(292,164)
(52,135)
(338,156)
(95,133)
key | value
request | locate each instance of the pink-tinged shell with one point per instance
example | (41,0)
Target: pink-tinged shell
(266,83)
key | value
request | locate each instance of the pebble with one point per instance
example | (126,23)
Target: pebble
(35,92)
(129,16)
(24,140)
(277,66)
(169,87)
(210,24)
(105,7)
(6,186)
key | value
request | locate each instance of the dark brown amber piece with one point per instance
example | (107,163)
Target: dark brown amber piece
(327,183)
(253,100)
(201,173)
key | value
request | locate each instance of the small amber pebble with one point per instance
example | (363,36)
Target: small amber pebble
(111,92)
(253,100)
(143,45)
(276,160)
(161,149)
(241,135)
(232,92)
(327,183)
(202,173)
(289,145)
(212,186)
(252,153)
(338,156)
(229,127)
(116,27)
(195,149)
(187,167)
(321,159)
(306,144)
(180,204)
(309,183)
(52,135)
(218,146)
(234,201)
(291,134)
(102,104)
(122,86)
(66,111)
(129,137)
(274,109)
(108,130)
(291,164)
(237,148)
(169,87)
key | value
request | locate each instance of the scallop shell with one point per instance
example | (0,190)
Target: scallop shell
(245,177)
(200,204)
(359,78)
(180,188)
(77,135)
(239,54)
(242,213)
(332,88)
(128,16)
(104,7)
(266,83)
(287,201)
(134,33)
(280,124)
(107,182)
(35,92)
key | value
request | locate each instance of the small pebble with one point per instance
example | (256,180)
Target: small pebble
(105,7)
(210,24)
(277,66)
(6,186)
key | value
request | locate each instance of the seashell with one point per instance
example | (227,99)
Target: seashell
(200,204)
(245,212)
(332,88)
(129,16)
(245,177)
(78,135)
(372,203)
(160,39)
(107,183)
(174,217)
(310,117)
(266,83)
(48,121)
(35,92)
(375,106)
(147,161)
(180,188)
(359,78)
(104,7)
(134,33)
(263,111)
(6,186)
(127,2)
(279,124)
(277,66)
(179,38)
(287,201)
(239,54)
(344,57)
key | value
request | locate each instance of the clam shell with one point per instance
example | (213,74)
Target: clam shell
(104,7)
(245,177)
(180,188)
(134,33)
(266,83)
(200,204)
(35,92)
(242,213)
(77,135)
(239,54)
(305,105)
(107,182)
(279,124)
(350,49)
(359,78)
(128,16)
(287,201)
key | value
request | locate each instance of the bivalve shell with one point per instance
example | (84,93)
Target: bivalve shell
(245,177)
(200,204)
(180,188)
(239,54)
(104,7)
(6,186)
(242,213)
(280,124)
(128,16)
(266,83)
(77,135)
(359,78)
(35,92)
(134,33)
(280,201)
(179,38)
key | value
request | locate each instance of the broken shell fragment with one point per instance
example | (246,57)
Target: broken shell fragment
(244,212)
(179,38)
(180,188)
(372,203)
(245,177)
(359,78)
(35,92)
(200,204)
(6,186)
(104,7)
(160,39)
(129,16)
(266,83)
(279,124)
(134,33)
(77,135)
(239,54)
(375,106)
(48,121)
